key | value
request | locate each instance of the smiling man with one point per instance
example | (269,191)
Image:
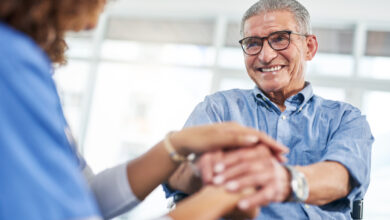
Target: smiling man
(330,142)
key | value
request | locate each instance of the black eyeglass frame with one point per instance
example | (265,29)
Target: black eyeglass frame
(267,38)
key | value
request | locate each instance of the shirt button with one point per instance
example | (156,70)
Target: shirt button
(307,206)
(284,117)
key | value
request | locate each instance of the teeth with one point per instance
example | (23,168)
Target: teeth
(272,69)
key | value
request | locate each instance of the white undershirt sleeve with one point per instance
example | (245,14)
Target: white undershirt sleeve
(112,190)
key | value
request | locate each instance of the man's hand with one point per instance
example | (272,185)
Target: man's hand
(253,167)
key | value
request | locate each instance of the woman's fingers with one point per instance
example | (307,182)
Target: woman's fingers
(234,157)
(223,135)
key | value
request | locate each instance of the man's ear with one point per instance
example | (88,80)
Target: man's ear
(312,46)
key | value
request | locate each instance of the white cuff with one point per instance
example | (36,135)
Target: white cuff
(112,191)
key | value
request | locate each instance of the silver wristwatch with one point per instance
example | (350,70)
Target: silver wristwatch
(299,186)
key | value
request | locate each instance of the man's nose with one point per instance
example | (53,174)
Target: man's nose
(267,54)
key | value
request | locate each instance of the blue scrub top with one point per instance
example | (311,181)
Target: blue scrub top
(39,169)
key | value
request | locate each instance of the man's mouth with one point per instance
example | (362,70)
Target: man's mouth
(270,69)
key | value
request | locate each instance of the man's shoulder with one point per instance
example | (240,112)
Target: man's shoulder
(331,106)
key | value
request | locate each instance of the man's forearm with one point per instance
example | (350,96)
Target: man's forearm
(328,181)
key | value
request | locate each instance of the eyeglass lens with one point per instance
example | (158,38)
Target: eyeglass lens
(277,41)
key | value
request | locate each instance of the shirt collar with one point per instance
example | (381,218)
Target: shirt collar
(294,102)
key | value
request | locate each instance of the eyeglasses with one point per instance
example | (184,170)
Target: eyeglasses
(278,41)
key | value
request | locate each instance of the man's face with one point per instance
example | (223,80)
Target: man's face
(278,71)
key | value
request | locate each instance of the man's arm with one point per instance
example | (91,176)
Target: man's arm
(343,170)
(327,182)
(256,167)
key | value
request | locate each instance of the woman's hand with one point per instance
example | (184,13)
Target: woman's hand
(200,139)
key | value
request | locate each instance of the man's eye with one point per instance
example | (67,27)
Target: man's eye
(252,44)
(279,38)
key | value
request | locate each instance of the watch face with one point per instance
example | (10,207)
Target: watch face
(302,191)
(299,187)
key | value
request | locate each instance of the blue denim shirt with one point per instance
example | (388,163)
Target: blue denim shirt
(314,129)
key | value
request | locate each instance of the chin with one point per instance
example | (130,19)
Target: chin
(269,86)
(268,89)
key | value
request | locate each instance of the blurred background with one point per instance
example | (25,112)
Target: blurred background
(140,73)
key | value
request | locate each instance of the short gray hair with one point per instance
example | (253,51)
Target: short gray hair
(302,16)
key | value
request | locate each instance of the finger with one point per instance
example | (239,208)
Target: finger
(204,164)
(216,158)
(234,157)
(266,151)
(281,158)
(207,163)
(231,173)
(263,138)
(255,180)
(239,136)
(275,147)
(262,197)
(216,136)
(211,137)
(246,168)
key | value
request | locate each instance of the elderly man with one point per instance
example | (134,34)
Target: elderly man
(330,142)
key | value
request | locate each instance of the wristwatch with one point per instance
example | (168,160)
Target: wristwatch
(298,184)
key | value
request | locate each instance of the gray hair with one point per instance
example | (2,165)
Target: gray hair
(302,16)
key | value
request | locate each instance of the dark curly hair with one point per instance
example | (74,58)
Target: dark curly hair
(46,21)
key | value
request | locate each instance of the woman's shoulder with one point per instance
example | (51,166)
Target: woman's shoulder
(18,48)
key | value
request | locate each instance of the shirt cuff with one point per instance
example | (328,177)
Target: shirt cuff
(169,192)
(113,192)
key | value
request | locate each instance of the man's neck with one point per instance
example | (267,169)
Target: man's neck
(279,97)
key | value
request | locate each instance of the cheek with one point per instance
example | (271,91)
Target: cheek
(249,62)
(296,62)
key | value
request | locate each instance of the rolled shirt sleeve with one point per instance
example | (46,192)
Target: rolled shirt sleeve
(350,145)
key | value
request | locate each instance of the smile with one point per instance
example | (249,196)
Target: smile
(270,69)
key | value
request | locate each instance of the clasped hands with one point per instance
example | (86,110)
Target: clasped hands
(251,167)
(257,164)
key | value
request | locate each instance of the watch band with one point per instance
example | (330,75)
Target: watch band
(298,184)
